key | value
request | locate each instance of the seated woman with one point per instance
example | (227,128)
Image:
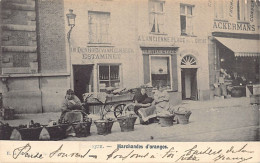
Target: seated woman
(143,106)
(69,104)
(161,100)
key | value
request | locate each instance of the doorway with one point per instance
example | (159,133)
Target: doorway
(83,79)
(189,83)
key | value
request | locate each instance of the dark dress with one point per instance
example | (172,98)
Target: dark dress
(142,99)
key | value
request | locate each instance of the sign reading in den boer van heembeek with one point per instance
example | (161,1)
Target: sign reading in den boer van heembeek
(101,52)
(165,39)
(233,26)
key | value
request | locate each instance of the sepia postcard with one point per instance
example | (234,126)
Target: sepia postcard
(129,81)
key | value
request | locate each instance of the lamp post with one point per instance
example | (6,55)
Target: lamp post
(71,23)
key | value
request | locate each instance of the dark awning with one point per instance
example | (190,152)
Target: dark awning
(241,47)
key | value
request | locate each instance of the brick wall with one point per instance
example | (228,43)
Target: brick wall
(18,36)
(51,35)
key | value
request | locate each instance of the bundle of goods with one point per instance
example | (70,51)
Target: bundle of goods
(5,131)
(7,113)
(31,131)
(182,115)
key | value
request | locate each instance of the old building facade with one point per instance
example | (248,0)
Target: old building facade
(114,43)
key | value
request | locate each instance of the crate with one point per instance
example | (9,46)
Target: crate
(7,113)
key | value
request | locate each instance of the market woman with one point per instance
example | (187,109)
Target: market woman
(143,106)
(161,100)
(70,103)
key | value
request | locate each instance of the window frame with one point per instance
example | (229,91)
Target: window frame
(96,13)
(170,68)
(109,64)
(187,16)
(243,6)
(221,8)
(156,13)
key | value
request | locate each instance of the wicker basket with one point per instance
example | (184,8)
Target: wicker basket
(26,133)
(103,126)
(126,123)
(255,99)
(5,131)
(182,116)
(7,113)
(56,132)
(165,120)
(82,129)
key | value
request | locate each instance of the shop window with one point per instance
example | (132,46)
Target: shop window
(242,10)
(186,18)
(160,70)
(109,76)
(156,16)
(99,27)
(220,9)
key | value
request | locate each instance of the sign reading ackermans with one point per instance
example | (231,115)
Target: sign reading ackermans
(101,52)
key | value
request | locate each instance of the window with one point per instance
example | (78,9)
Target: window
(99,27)
(220,9)
(160,70)
(109,76)
(242,10)
(186,18)
(156,16)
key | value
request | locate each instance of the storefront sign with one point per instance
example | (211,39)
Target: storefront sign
(151,51)
(101,52)
(233,26)
(167,39)
(231,7)
(101,56)
(252,11)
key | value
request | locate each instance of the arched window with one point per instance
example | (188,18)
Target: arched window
(188,60)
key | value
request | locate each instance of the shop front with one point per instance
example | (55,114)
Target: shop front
(97,69)
(239,65)
(178,63)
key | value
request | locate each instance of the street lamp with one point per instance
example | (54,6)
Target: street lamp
(71,22)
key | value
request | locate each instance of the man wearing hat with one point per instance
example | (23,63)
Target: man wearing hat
(71,102)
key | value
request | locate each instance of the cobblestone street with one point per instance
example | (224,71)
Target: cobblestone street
(219,120)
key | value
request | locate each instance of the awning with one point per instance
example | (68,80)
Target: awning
(242,47)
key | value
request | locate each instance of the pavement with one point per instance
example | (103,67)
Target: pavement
(232,119)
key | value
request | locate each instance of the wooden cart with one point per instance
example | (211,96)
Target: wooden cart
(114,103)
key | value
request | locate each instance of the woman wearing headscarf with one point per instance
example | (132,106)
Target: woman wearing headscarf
(71,102)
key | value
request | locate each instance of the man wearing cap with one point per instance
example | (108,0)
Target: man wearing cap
(70,102)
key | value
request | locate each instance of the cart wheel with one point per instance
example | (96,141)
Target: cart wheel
(119,110)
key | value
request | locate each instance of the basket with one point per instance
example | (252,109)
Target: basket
(103,126)
(5,131)
(165,120)
(255,99)
(127,123)
(182,116)
(56,132)
(7,113)
(26,133)
(82,129)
